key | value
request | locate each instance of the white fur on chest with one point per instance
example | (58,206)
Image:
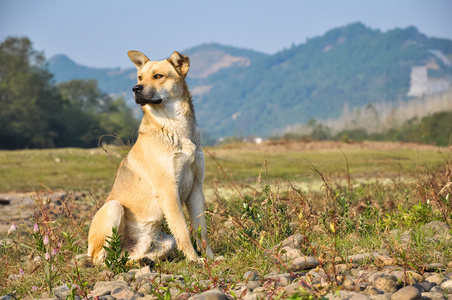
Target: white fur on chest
(189,167)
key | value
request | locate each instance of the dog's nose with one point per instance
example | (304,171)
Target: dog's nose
(137,88)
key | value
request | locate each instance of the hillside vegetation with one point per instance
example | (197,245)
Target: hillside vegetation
(37,113)
(241,92)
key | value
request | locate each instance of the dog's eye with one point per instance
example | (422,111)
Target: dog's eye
(139,77)
(158,76)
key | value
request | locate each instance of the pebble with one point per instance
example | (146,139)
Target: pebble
(342,295)
(447,286)
(433,296)
(215,294)
(303,263)
(380,280)
(435,279)
(407,293)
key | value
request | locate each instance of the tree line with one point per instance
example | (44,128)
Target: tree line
(38,113)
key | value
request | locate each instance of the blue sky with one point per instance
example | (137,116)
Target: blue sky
(99,33)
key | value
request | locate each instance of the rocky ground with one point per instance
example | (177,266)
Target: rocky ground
(376,275)
(364,276)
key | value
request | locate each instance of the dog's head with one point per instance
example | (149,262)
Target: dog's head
(159,81)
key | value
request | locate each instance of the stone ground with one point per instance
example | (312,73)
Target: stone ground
(365,276)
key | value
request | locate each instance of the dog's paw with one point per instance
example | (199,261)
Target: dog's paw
(146,261)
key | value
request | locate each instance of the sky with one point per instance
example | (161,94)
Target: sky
(98,33)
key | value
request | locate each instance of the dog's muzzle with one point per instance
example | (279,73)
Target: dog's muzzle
(142,99)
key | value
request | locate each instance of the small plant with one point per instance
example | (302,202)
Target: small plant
(117,258)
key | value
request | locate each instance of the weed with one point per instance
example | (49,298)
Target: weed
(116,258)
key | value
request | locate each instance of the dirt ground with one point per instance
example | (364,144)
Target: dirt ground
(294,146)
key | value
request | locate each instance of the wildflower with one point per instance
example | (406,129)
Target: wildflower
(34,288)
(46,240)
(21,272)
(12,228)
(47,256)
(36,228)
(54,251)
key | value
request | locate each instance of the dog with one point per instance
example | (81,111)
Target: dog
(163,170)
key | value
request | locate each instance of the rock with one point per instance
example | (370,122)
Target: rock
(424,286)
(293,241)
(107,297)
(102,288)
(436,289)
(348,281)
(437,230)
(62,291)
(145,277)
(384,282)
(182,296)
(149,297)
(129,276)
(362,286)
(371,291)
(386,296)
(251,276)
(435,267)
(383,260)
(433,296)
(145,288)
(106,275)
(253,285)
(143,271)
(297,287)
(122,292)
(303,263)
(409,277)
(342,295)
(214,294)
(282,279)
(447,286)
(241,290)
(435,279)
(363,257)
(287,253)
(407,293)
(8,297)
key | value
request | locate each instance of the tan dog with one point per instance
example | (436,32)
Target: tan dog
(163,170)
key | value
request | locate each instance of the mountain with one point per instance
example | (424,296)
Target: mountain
(205,60)
(111,80)
(240,92)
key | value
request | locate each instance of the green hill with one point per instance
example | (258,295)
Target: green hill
(241,92)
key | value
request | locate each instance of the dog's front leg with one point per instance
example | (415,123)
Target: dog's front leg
(196,209)
(171,207)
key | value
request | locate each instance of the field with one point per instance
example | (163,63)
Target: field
(88,169)
(344,198)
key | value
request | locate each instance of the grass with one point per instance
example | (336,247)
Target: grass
(87,169)
(255,200)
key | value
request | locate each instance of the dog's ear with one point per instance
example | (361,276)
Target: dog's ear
(180,62)
(138,58)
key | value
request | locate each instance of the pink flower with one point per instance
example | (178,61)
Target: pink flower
(34,288)
(47,256)
(54,251)
(36,228)
(21,272)
(46,240)
(12,228)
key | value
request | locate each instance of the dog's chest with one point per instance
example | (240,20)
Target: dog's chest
(189,165)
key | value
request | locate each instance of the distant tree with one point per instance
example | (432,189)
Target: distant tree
(37,114)
(30,104)
(90,113)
